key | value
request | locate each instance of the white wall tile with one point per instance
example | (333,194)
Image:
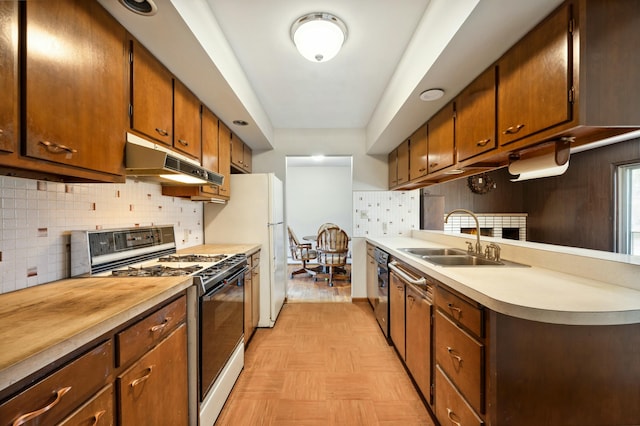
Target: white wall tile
(385,213)
(36,218)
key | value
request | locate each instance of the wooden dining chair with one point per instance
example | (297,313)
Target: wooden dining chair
(302,252)
(327,226)
(332,248)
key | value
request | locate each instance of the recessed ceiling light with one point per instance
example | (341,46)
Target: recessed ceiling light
(319,36)
(141,7)
(431,94)
(240,122)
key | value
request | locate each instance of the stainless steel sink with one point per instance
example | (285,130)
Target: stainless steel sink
(423,251)
(462,260)
(455,257)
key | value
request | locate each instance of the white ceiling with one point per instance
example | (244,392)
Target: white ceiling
(238,57)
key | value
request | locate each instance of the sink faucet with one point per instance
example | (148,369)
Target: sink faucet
(473,215)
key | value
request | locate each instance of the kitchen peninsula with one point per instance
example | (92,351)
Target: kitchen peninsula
(555,342)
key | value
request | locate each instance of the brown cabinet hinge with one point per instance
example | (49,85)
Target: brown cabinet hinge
(572,25)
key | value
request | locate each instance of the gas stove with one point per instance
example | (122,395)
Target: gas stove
(147,252)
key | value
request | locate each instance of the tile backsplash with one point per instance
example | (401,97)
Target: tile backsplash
(37,216)
(385,213)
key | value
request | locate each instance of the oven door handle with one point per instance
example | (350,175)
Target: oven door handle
(236,275)
(405,275)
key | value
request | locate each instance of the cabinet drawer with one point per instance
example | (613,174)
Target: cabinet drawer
(255,259)
(98,411)
(451,407)
(463,312)
(461,357)
(148,332)
(63,390)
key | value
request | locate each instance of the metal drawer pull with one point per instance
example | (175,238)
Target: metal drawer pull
(183,142)
(56,148)
(158,327)
(455,356)
(32,415)
(453,308)
(96,417)
(417,281)
(411,298)
(139,380)
(483,142)
(450,415)
(513,129)
(162,131)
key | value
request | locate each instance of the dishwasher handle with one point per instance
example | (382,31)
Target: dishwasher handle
(405,276)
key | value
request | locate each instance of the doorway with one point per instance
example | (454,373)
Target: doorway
(318,190)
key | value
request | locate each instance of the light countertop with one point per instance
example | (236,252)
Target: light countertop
(532,293)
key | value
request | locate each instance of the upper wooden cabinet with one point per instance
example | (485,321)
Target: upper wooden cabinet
(210,148)
(74,89)
(399,165)
(224,159)
(418,153)
(151,96)
(535,82)
(475,124)
(240,155)
(441,139)
(9,70)
(186,119)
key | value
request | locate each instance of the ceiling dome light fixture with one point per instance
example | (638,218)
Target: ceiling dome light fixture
(431,94)
(141,7)
(319,36)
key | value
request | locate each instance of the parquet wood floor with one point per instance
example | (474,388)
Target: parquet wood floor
(303,289)
(323,364)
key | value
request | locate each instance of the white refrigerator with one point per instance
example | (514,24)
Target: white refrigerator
(255,214)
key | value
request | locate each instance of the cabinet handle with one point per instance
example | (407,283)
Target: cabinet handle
(183,142)
(139,380)
(422,169)
(158,327)
(411,298)
(483,142)
(96,417)
(162,132)
(513,129)
(57,148)
(432,165)
(453,308)
(454,355)
(34,414)
(450,415)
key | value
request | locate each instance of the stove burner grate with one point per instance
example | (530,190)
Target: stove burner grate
(156,271)
(193,258)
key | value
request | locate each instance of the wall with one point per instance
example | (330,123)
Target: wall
(316,195)
(36,218)
(575,209)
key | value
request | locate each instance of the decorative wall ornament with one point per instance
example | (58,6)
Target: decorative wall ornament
(480,184)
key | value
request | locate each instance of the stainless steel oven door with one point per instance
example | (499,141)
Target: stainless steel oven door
(221,328)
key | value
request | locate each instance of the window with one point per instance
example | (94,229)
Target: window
(628,203)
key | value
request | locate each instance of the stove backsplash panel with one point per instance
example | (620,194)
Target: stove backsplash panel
(36,218)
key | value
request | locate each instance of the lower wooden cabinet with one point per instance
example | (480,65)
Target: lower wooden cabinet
(153,391)
(252,297)
(396,314)
(418,339)
(451,407)
(136,375)
(58,395)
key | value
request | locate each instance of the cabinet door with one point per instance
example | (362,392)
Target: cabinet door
(237,151)
(98,411)
(393,168)
(224,160)
(396,313)
(248,305)
(247,158)
(418,340)
(418,153)
(372,280)
(186,121)
(154,390)
(75,85)
(210,155)
(403,162)
(255,293)
(475,123)
(534,80)
(152,96)
(441,142)
(9,71)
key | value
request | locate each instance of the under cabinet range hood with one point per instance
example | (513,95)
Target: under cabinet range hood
(149,161)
